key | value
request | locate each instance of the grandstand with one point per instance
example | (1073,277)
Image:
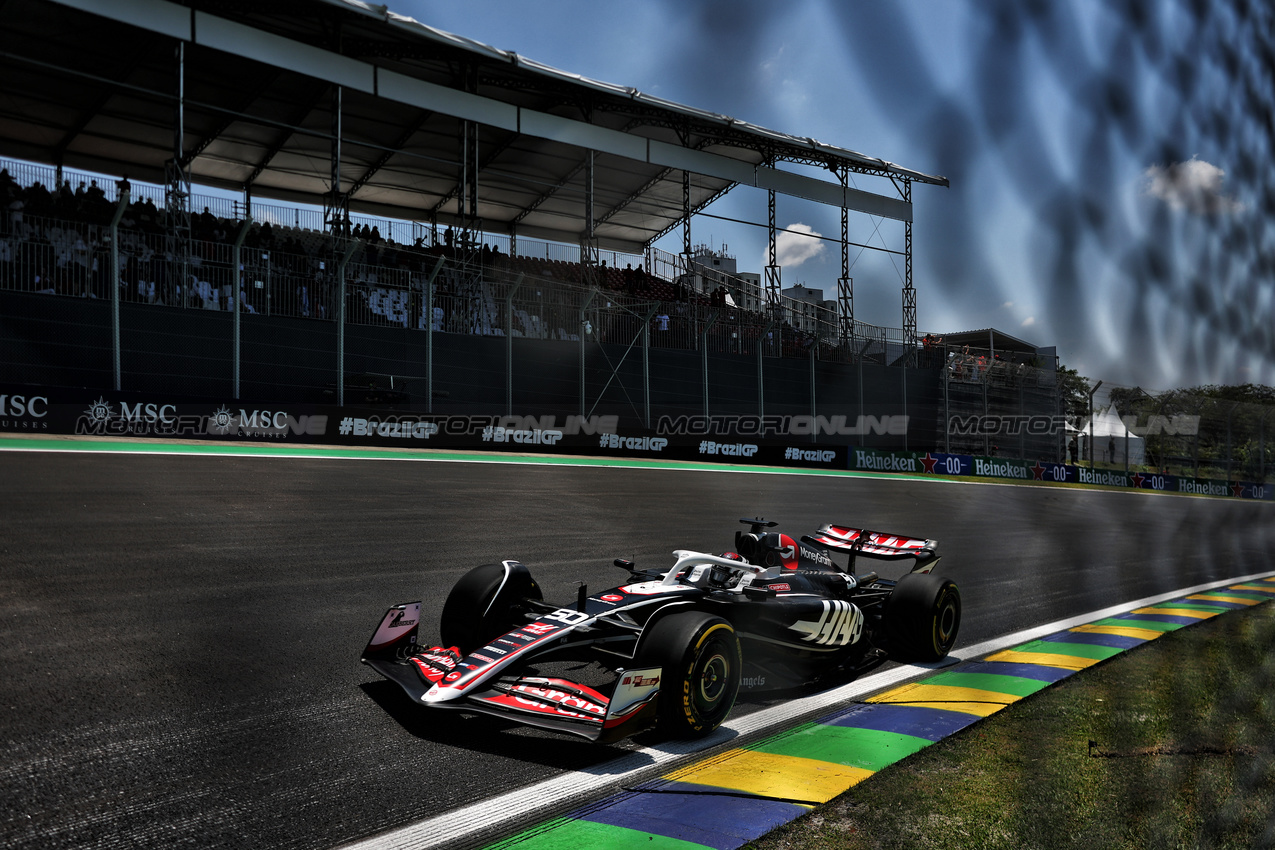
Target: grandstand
(469,225)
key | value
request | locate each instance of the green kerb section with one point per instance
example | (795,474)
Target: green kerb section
(1129,623)
(994,682)
(1075,650)
(869,749)
(564,834)
(314,451)
(1194,606)
(1240,594)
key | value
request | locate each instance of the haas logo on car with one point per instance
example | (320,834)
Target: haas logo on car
(788,551)
(839,624)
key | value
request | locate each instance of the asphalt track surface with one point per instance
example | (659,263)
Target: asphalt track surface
(182,633)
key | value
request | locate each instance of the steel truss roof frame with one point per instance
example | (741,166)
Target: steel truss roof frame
(257,118)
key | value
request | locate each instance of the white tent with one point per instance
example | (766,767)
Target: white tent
(1113,442)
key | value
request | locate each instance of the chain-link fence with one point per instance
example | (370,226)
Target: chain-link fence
(1220,433)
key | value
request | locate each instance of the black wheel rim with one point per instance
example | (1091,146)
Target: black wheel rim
(945,623)
(713,679)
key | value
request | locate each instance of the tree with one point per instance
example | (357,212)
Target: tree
(1074,389)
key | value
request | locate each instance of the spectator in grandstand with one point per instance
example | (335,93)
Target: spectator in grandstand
(39,201)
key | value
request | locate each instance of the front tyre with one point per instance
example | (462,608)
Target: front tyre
(701,664)
(922,617)
(486,603)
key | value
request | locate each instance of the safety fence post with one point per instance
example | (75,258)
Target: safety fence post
(236,296)
(340,323)
(120,207)
(509,346)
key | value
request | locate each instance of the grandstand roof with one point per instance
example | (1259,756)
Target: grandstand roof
(94,84)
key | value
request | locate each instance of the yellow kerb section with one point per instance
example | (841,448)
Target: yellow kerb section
(921,692)
(1177,612)
(1049,659)
(775,776)
(1121,631)
(1219,597)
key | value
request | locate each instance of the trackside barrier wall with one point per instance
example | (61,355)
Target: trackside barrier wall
(775,441)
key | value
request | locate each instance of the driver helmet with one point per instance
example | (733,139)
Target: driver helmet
(723,578)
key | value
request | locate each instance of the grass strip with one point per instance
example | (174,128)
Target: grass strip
(1171,744)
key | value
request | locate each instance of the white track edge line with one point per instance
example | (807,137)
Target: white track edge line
(447,829)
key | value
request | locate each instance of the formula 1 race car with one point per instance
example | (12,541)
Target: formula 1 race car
(671,648)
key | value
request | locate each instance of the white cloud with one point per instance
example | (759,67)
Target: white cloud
(1194,186)
(1029,321)
(793,246)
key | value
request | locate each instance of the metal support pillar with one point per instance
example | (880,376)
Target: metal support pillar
(845,300)
(686,215)
(589,241)
(177,196)
(583,309)
(845,283)
(336,204)
(120,206)
(236,295)
(772,272)
(909,293)
(468,242)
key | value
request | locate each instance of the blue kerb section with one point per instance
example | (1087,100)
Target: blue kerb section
(1158,618)
(1094,639)
(931,724)
(721,822)
(1024,671)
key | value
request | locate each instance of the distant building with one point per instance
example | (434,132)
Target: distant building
(810,311)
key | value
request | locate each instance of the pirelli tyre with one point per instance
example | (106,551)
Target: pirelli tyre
(923,616)
(486,603)
(701,665)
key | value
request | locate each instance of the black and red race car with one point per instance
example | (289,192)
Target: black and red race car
(671,648)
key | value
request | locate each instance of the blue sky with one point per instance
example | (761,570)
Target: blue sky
(1111,162)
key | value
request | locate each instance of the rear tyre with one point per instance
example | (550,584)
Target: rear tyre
(701,664)
(923,617)
(486,603)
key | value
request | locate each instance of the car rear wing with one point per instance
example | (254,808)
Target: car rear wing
(876,544)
